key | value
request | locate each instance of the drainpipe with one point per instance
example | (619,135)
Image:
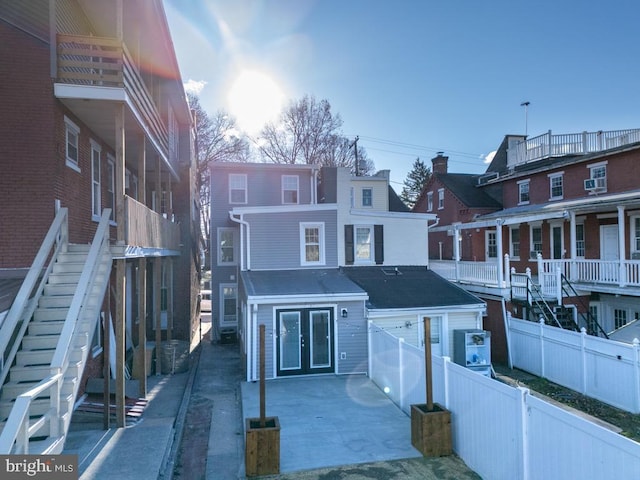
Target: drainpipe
(314,186)
(246,224)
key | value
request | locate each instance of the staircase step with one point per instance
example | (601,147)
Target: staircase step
(27,373)
(64,277)
(39,342)
(39,406)
(78,247)
(57,289)
(47,314)
(49,446)
(51,327)
(72,257)
(11,390)
(44,357)
(58,301)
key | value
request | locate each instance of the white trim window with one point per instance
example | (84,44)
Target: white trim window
(367,197)
(514,247)
(598,173)
(535,234)
(312,244)
(635,234)
(96,186)
(227,246)
(111,186)
(238,188)
(72,152)
(580,240)
(440,198)
(429,201)
(523,192)
(556,187)
(363,242)
(290,189)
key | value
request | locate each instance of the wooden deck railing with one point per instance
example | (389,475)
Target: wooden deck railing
(146,228)
(106,62)
(548,145)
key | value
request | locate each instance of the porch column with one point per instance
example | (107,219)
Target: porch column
(500,265)
(142,276)
(170,283)
(573,248)
(157,275)
(121,281)
(621,246)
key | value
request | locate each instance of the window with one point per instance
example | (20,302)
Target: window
(555,186)
(635,234)
(429,201)
(440,198)
(367,197)
(229,304)
(523,191)
(619,318)
(312,243)
(363,243)
(289,189)
(237,188)
(111,187)
(515,242)
(580,240)
(96,190)
(72,133)
(536,240)
(492,243)
(598,173)
(227,246)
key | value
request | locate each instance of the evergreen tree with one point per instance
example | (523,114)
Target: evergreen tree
(414,183)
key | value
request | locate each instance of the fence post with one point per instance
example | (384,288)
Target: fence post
(524,429)
(507,269)
(559,286)
(583,352)
(401,371)
(369,359)
(542,359)
(636,370)
(446,362)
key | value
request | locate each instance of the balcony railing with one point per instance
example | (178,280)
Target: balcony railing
(548,145)
(477,273)
(615,273)
(106,62)
(148,229)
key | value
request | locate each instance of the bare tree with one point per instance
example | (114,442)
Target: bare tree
(307,132)
(217,140)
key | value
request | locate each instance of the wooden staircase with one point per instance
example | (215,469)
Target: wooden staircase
(48,365)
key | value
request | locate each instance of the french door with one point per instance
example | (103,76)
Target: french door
(304,341)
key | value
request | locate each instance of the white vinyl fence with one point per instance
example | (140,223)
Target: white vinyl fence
(594,366)
(499,431)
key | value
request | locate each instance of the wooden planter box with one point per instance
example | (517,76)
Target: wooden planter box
(431,430)
(262,449)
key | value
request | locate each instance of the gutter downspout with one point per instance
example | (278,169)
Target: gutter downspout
(246,224)
(428,228)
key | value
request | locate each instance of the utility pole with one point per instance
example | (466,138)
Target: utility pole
(355,145)
(526,119)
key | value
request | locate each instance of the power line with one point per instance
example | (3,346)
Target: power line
(414,155)
(419,147)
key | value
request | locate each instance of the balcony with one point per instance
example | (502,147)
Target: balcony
(148,232)
(484,274)
(103,69)
(548,145)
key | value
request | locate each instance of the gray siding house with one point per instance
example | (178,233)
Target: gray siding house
(288,242)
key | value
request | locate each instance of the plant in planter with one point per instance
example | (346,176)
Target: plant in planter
(262,443)
(430,422)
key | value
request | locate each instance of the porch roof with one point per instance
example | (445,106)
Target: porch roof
(406,287)
(300,283)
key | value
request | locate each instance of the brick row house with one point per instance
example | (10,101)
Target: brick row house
(551,230)
(314,254)
(99,214)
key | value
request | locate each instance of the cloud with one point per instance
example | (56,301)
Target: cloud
(194,86)
(489,157)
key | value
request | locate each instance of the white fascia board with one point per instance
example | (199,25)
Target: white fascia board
(407,215)
(310,207)
(306,299)
(425,311)
(89,92)
(512,220)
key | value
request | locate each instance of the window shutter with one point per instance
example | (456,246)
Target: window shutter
(348,244)
(378,241)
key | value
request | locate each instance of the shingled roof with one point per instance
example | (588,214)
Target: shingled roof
(464,187)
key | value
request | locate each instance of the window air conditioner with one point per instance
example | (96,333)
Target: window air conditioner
(594,183)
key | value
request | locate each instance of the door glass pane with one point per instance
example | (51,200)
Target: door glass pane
(229,304)
(492,245)
(290,351)
(320,339)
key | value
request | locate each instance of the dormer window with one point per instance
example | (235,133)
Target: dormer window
(367,197)
(290,192)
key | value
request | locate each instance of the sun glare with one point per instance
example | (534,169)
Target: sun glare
(254,99)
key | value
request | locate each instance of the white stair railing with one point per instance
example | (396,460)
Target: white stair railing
(15,324)
(20,427)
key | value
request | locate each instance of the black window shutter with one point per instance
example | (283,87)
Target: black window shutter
(378,241)
(348,244)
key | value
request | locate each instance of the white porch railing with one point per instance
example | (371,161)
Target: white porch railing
(548,145)
(477,273)
(619,273)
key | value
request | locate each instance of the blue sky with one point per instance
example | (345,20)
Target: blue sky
(411,78)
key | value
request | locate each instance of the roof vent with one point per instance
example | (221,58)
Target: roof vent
(391,271)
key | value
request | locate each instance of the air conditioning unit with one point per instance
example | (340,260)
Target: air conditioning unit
(595,183)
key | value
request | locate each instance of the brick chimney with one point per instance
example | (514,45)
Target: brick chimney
(439,163)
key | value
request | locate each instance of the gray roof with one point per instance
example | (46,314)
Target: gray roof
(408,287)
(465,187)
(299,282)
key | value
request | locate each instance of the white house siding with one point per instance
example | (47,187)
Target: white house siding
(275,239)
(379,190)
(462,321)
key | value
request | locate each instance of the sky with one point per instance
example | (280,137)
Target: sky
(412,78)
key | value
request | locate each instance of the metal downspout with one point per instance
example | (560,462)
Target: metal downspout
(246,224)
